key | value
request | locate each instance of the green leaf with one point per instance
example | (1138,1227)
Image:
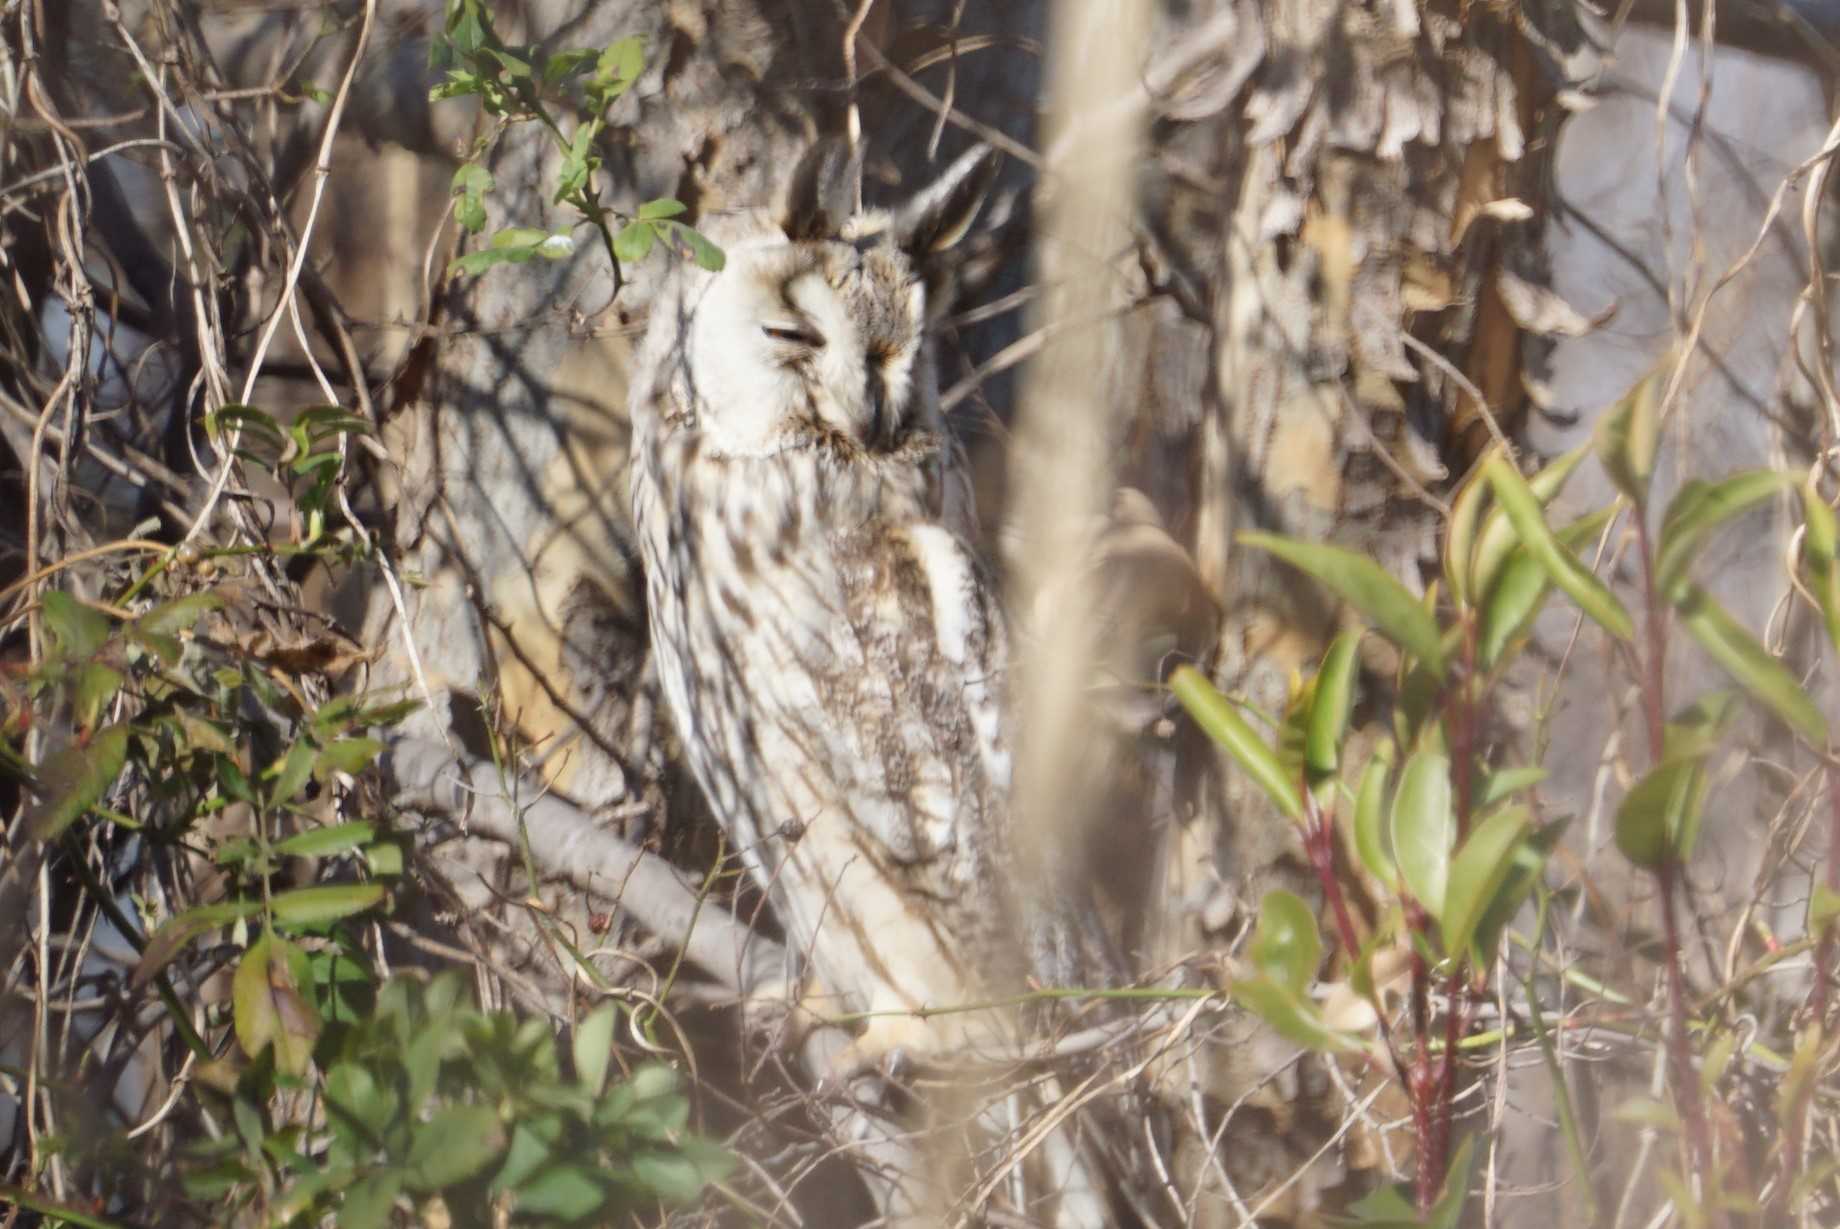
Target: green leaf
(456,1143)
(513,245)
(166,648)
(1716,1059)
(652,1081)
(515,66)
(268,1008)
(1527,865)
(1749,664)
(1820,540)
(246,418)
(347,755)
(1424,827)
(1393,1206)
(325,421)
(76,630)
(1477,875)
(1630,434)
(1388,1207)
(1520,590)
(593,1047)
(1497,536)
(1650,815)
(562,1192)
(1529,521)
(1286,946)
(470,212)
(530,1150)
(458,84)
(1371,845)
(471,179)
(1367,587)
(328,903)
(1332,702)
(386,714)
(1460,536)
(292,773)
(565,64)
(634,241)
(1701,507)
(316,463)
(179,615)
(384,859)
(519,237)
(620,65)
(670,1176)
(369,1203)
(1291,1016)
(1823,908)
(1218,718)
(96,686)
(465,29)
(324,842)
(1506,782)
(76,778)
(664,207)
(177,932)
(363,1109)
(705,254)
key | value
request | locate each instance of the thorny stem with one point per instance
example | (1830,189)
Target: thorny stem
(1680,1055)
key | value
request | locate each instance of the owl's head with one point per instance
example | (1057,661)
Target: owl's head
(815,330)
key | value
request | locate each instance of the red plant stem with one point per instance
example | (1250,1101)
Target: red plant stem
(1654,696)
(1441,1094)
(1319,840)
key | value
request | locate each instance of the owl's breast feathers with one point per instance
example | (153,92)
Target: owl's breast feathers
(841,698)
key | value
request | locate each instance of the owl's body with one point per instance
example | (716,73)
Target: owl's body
(830,650)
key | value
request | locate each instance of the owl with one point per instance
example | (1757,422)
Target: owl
(832,652)
(830,648)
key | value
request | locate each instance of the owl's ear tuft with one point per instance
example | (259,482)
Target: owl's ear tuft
(941,213)
(820,200)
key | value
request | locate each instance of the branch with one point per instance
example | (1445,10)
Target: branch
(566,841)
(1801,30)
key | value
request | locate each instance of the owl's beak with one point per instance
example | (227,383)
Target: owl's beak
(875,401)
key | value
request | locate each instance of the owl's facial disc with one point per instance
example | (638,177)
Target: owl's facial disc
(854,342)
(806,343)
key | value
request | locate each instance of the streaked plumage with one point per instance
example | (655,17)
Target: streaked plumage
(831,651)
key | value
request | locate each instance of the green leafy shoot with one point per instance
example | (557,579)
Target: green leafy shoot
(1523,510)
(1367,587)
(518,84)
(1220,720)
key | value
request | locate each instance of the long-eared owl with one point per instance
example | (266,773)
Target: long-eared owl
(830,649)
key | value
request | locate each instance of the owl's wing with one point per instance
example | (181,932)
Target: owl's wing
(881,734)
(925,715)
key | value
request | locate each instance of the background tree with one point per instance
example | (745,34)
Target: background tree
(1280,266)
